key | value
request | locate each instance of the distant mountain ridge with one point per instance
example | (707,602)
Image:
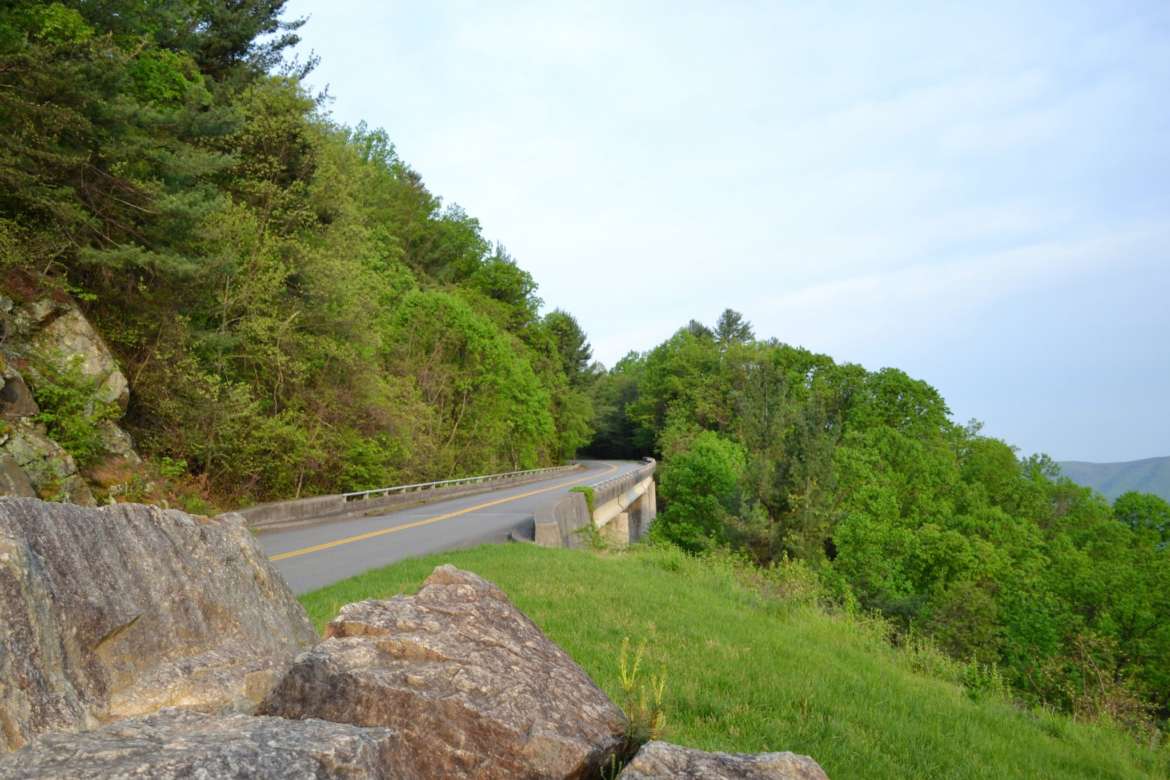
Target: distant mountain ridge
(1150,475)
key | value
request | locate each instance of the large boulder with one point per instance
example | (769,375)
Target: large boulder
(119,611)
(183,744)
(471,684)
(663,761)
(117,443)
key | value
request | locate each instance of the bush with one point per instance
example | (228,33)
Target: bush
(71,410)
(699,486)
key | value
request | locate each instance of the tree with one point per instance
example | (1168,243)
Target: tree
(297,313)
(732,328)
(500,279)
(700,489)
(572,345)
(1144,513)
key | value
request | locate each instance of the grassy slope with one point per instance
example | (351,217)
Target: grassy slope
(1151,475)
(746,674)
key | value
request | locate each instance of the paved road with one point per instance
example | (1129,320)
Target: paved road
(313,556)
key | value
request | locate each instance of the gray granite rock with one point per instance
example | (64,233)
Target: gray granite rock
(183,744)
(66,338)
(16,399)
(46,466)
(117,442)
(663,761)
(13,480)
(472,685)
(119,611)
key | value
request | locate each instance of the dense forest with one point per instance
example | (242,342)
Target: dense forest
(295,311)
(297,314)
(863,478)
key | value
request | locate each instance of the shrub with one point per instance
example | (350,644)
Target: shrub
(641,698)
(71,410)
(699,485)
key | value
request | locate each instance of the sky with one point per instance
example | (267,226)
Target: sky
(976,193)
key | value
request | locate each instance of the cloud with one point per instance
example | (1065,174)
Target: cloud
(875,318)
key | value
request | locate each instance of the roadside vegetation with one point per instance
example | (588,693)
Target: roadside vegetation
(861,476)
(753,660)
(296,312)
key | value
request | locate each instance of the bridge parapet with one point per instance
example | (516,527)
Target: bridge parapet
(610,489)
(623,509)
(364,502)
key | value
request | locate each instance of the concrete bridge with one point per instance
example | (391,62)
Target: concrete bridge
(320,540)
(623,508)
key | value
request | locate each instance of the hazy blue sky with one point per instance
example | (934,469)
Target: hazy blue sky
(977,193)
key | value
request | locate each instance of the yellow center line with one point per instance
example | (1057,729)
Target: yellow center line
(426,521)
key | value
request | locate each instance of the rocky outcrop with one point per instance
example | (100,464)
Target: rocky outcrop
(471,684)
(117,442)
(13,480)
(663,761)
(60,334)
(51,332)
(47,468)
(116,612)
(183,744)
(16,400)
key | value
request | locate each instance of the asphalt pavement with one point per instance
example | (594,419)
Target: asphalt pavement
(312,556)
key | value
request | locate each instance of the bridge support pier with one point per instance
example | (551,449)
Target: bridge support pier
(647,511)
(617,530)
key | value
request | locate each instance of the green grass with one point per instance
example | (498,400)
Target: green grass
(749,673)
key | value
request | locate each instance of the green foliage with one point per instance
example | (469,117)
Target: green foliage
(71,409)
(296,312)
(948,534)
(732,328)
(1144,513)
(589,493)
(751,671)
(641,697)
(172,468)
(700,485)
(166,78)
(571,344)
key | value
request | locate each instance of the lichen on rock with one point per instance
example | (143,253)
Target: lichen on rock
(664,761)
(472,685)
(41,339)
(119,611)
(47,467)
(183,744)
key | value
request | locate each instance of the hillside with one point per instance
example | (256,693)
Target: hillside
(1150,475)
(295,312)
(752,664)
(292,312)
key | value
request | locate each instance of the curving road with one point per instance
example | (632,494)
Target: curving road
(313,556)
